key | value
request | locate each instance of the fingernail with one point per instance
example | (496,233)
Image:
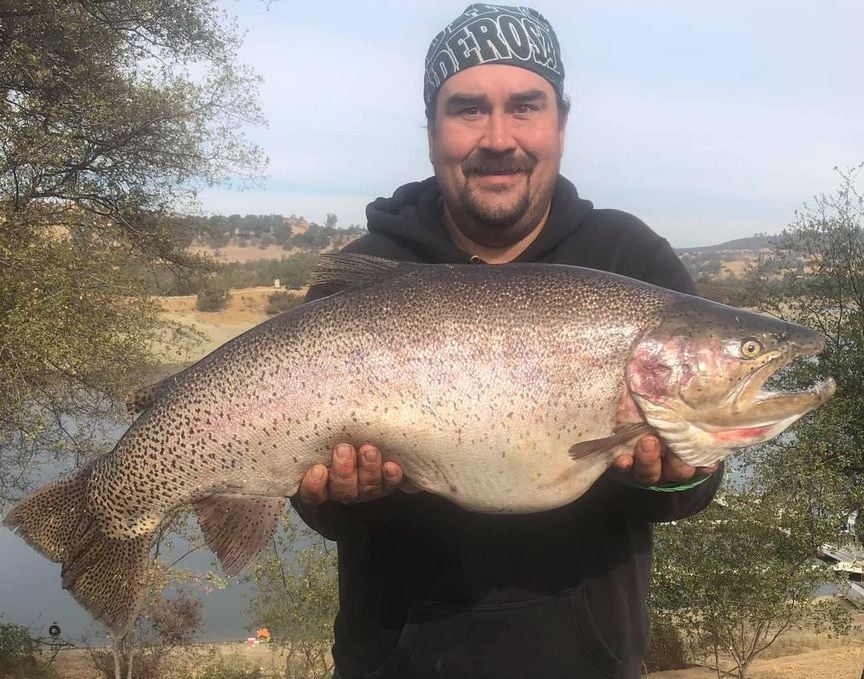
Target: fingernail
(370,455)
(344,451)
(318,472)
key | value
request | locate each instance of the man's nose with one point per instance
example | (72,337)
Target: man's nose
(498,135)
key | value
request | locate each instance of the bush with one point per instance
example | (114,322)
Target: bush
(143,666)
(19,654)
(280,301)
(231,667)
(166,627)
(212,296)
(666,650)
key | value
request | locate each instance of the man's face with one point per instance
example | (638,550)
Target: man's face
(496,145)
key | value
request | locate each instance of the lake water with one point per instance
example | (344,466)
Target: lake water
(31,594)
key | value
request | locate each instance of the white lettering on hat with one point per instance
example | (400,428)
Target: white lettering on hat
(488,33)
(463,46)
(541,43)
(503,38)
(441,67)
(490,40)
(515,36)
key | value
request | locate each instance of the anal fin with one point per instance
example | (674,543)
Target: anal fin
(622,434)
(237,527)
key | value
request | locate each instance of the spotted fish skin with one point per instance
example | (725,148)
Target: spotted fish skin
(413,368)
(477,380)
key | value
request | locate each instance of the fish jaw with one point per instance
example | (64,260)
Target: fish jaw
(767,410)
(702,444)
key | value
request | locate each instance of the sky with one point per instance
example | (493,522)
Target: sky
(707,120)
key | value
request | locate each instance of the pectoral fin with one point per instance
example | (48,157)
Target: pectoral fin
(623,434)
(237,527)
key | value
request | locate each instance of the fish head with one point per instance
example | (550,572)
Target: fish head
(699,378)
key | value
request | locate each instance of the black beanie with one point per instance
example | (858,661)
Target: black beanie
(494,34)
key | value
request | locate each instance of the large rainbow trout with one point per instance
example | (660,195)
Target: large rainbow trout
(503,388)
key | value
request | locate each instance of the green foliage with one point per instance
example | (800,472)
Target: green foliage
(292,272)
(296,598)
(315,238)
(823,464)
(104,134)
(280,301)
(666,648)
(739,575)
(100,109)
(212,296)
(19,654)
(705,264)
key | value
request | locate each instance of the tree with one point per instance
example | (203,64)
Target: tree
(164,626)
(105,134)
(212,295)
(738,576)
(296,598)
(823,464)
(330,220)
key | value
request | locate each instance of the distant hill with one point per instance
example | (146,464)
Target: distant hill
(254,239)
(753,244)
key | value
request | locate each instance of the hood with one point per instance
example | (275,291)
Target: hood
(413,219)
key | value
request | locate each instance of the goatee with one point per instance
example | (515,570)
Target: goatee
(500,214)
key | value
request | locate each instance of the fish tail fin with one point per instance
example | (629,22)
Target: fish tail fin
(106,575)
(52,518)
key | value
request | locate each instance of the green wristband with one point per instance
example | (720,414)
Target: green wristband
(674,488)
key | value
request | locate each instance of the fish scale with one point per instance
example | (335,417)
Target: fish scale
(506,389)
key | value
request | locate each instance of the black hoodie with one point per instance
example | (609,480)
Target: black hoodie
(428,589)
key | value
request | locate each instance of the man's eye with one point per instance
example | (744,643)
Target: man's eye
(471,111)
(523,109)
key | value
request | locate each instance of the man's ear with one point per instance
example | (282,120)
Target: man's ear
(562,128)
(430,138)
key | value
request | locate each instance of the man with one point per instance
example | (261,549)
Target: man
(428,589)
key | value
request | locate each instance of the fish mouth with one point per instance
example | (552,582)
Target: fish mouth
(751,413)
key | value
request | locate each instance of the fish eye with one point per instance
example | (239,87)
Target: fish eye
(751,348)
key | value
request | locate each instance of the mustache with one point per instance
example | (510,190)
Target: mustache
(486,163)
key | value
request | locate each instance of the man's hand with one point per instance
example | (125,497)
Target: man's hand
(653,463)
(353,476)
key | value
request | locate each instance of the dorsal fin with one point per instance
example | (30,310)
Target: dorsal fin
(345,270)
(144,398)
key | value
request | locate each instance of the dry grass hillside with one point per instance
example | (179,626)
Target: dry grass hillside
(233,252)
(246,308)
(799,656)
